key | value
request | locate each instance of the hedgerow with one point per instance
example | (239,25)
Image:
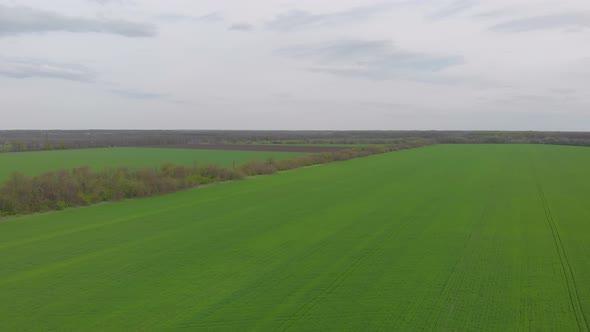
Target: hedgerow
(81,186)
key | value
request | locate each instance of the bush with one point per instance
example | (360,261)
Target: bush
(58,190)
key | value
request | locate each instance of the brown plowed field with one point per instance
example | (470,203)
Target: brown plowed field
(248,147)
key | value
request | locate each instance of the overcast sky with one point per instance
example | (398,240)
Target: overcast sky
(304,64)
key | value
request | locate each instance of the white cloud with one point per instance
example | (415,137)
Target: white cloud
(371,59)
(560,20)
(349,64)
(28,68)
(242,26)
(20,20)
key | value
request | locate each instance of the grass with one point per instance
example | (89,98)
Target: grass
(4,147)
(33,163)
(450,237)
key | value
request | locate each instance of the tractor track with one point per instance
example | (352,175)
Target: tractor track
(307,306)
(566,267)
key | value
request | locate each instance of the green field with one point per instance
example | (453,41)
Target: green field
(448,237)
(32,163)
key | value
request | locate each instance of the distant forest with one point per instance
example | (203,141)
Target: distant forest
(32,140)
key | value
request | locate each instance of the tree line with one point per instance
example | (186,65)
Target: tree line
(82,186)
(32,140)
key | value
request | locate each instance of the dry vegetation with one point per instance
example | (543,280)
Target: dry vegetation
(83,186)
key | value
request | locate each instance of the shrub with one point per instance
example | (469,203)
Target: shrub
(82,186)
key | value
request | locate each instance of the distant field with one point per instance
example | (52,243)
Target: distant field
(32,163)
(307,148)
(448,237)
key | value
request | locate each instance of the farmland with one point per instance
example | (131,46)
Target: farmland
(305,148)
(446,237)
(33,163)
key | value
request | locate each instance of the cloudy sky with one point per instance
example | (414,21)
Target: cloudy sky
(286,64)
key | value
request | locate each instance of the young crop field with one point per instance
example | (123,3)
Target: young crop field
(32,163)
(447,237)
(304,148)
